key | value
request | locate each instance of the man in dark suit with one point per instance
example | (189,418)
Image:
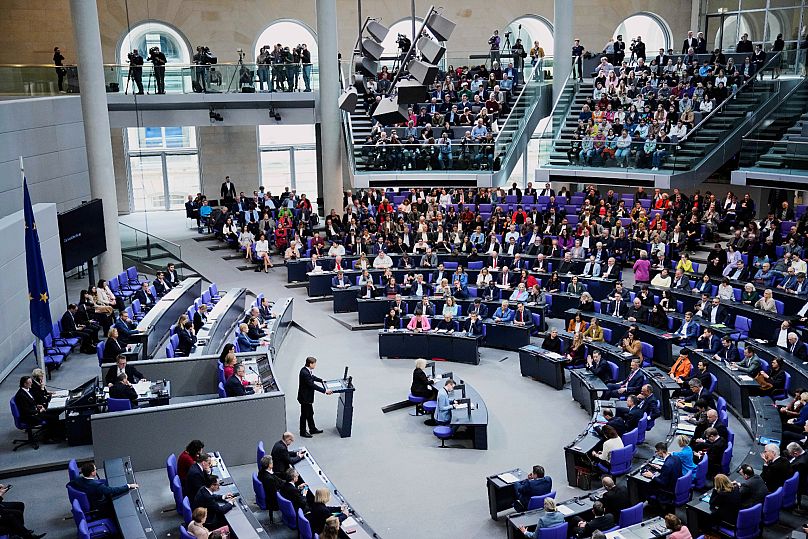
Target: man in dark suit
(637,312)
(616,422)
(147,299)
(228,191)
(630,386)
(615,499)
(120,368)
(282,458)
(753,488)
(617,307)
(690,42)
(161,286)
(479,307)
(216,504)
(473,326)
(697,392)
(99,494)
(536,484)
(30,412)
(70,328)
(649,403)
(294,492)
(187,339)
(269,481)
(172,277)
(307,385)
(602,521)
(664,482)
(633,414)
(123,389)
(707,342)
(598,367)
(799,463)
(12,518)
(197,476)
(712,448)
(710,422)
(728,352)
(340,281)
(715,313)
(127,329)
(776,469)
(234,386)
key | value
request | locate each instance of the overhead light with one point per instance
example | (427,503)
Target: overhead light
(372,49)
(423,72)
(366,66)
(390,112)
(347,101)
(411,91)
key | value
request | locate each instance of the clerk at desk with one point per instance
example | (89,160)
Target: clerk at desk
(99,494)
(123,389)
(127,330)
(421,384)
(234,386)
(443,412)
(282,458)
(120,368)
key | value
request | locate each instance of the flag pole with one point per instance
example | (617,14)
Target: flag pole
(40,347)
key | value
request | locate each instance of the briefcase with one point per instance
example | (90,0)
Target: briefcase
(583,478)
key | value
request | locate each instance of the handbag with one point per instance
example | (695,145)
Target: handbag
(763,382)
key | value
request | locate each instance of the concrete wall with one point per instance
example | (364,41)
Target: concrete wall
(15,327)
(29,30)
(49,134)
(229,151)
(121,177)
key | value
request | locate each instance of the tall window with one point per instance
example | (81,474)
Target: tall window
(171,43)
(530,29)
(289,34)
(163,167)
(288,159)
(652,28)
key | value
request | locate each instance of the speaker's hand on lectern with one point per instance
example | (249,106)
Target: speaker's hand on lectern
(328,392)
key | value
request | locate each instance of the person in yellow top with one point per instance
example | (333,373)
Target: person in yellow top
(594,332)
(685,264)
(681,367)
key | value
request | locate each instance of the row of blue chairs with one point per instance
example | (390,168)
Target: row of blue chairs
(89,525)
(209,297)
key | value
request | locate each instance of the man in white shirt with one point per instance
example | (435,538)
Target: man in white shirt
(611,271)
(336,249)
(382,261)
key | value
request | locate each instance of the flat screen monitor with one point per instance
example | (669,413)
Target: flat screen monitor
(81,234)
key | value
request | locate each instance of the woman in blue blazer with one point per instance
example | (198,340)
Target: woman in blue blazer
(246,344)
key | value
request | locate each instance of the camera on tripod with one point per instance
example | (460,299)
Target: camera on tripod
(206,57)
(240,52)
(132,55)
(403,42)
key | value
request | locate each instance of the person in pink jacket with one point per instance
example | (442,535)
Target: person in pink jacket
(419,322)
(678,530)
(642,268)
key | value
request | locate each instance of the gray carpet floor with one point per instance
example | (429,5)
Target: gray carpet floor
(391,469)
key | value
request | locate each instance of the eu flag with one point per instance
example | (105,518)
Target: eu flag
(38,298)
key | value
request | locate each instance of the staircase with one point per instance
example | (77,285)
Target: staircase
(150,254)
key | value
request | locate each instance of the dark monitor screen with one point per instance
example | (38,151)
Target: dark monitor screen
(81,234)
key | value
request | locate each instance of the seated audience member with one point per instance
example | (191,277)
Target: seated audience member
(215,504)
(631,385)
(712,448)
(112,346)
(752,487)
(99,494)
(187,339)
(601,522)
(419,322)
(536,484)
(200,317)
(320,511)
(615,498)
(34,412)
(127,329)
(776,468)
(678,530)
(663,482)
(612,442)
(421,384)
(123,389)
(552,342)
(12,518)
(550,517)
(70,328)
(245,343)
(282,458)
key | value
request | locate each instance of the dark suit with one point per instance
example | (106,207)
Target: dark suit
(721,316)
(776,473)
(216,506)
(146,299)
(99,494)
(623,309)
(601,523)
(615,500)
(70,329)
(650,406)
(632,418)
(319,513)
(293,494)
(618,424)
(640,314)
(701,427)
(195,480)
(714,452)
(112,349)
(271,484)
(527,488)
(187,342)
(474,328)
(132,374)
(420,385)
(161,287)
(601,370)
(665,481)
(233,387)
(308,383)
(282,458)
(481,310)
(127,332)
(26,405)
(753,491)
(199,321)
(123,391)
(711,346)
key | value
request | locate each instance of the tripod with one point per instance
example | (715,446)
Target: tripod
(151,76)
(505,47)
(238,69)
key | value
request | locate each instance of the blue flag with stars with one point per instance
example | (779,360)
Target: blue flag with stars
(38,299)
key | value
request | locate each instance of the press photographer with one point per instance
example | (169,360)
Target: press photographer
(404,44)
(203,58)
(493,42)
(136,70)
(158,60)
(637,48)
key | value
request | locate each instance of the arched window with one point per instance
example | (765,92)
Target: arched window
(288,33)
(653,29)
(733,29)
(529,29)
(172,43)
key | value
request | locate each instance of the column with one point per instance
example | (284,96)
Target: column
(96,128)
(330,146)
(563,11)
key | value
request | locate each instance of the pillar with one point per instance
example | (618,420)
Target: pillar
(330,146)
(563,11)
(96,128)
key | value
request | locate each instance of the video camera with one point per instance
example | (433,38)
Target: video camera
(403,42)
(206,57)
(132,55)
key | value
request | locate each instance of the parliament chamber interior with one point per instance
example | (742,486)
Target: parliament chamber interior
(536,271)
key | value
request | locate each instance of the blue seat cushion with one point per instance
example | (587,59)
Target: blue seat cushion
(442,431)
(430,406)
(416,400)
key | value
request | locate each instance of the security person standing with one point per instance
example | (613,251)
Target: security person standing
(136,70)
(308,383)
(158,60)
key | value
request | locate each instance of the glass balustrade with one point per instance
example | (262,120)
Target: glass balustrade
(789,156)
(140,247)
(43,80)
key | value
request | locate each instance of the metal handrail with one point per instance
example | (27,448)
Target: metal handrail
(557,136)
(728,99)
(513,109)
(149,234)
(347,125)
(147,65)
(785,98)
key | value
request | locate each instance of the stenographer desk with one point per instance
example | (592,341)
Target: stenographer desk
(543,365)
(240,518)
(156,323)
(455,346)
(133,521)
(735,387)
(345,298)
(661,340)
(765,427)
(355,526)
(474,417)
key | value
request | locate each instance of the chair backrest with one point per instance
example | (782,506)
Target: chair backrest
(99,352)
(790,491)
(771,507)
(171,467)
(630,438)
(184,533)
(170,351)
(681,494)
(614,371)
(136,307)
(78,514)
(607,334)
(186,510)
(720,402)
(259,453)
(15,412)
(647,352)
(287,512)
(700,479)
(83,530)
(559,531)
(214,290)
(476,265)
(632,515)
(726,458)
(260,495)
(748,523)
(73,469)
(220,373)
(620,460)
(175,341)
(176,489)
(74,494)
(303,526)
(118,405)
(537,502)
(222,392)
(131,274)
(642,426)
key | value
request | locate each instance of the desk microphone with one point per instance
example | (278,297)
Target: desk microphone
(253,370)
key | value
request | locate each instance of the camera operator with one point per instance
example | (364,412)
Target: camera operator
(199,70)
(136,70)
(637,48)
(263,60)
(404,45)
(493,42)
(305,59)
(158,60)
(58,61)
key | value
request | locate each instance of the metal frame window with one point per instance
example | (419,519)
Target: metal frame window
(287,158)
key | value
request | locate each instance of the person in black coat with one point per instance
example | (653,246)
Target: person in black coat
(615,499)
(72,329)
(712,448)
(617,423)
(216,504)
(200,317)
(123,389)
(234,386)
(776,469)
(308,383)
(282,458)
(320,511)
(147,299)
(602,521)
(725,500)
(298,494)
(197,477)
(30,412)
(753,488)
(122,367)
(99,494)
(552,343)
(598,367)
(112,347)
(421,385)
(270,482)
(187,339)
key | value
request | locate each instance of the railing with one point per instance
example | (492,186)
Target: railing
(347,126)
(142,247)
(518,121)
(558,118)
(439,156)
(788,157)
(43,79)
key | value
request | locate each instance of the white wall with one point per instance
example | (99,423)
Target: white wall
(15,328)
(49,134)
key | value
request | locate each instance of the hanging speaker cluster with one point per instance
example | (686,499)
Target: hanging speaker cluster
(366,63)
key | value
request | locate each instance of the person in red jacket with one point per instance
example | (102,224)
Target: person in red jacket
(188,457)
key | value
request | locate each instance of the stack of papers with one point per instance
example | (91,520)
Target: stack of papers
(745,378)
(349,525)
(564,510)
(508,477)
(142,387)
(553,355)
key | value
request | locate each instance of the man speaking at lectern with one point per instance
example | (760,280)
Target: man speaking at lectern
(308,384)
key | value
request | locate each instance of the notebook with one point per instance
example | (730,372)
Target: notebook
(508,477)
